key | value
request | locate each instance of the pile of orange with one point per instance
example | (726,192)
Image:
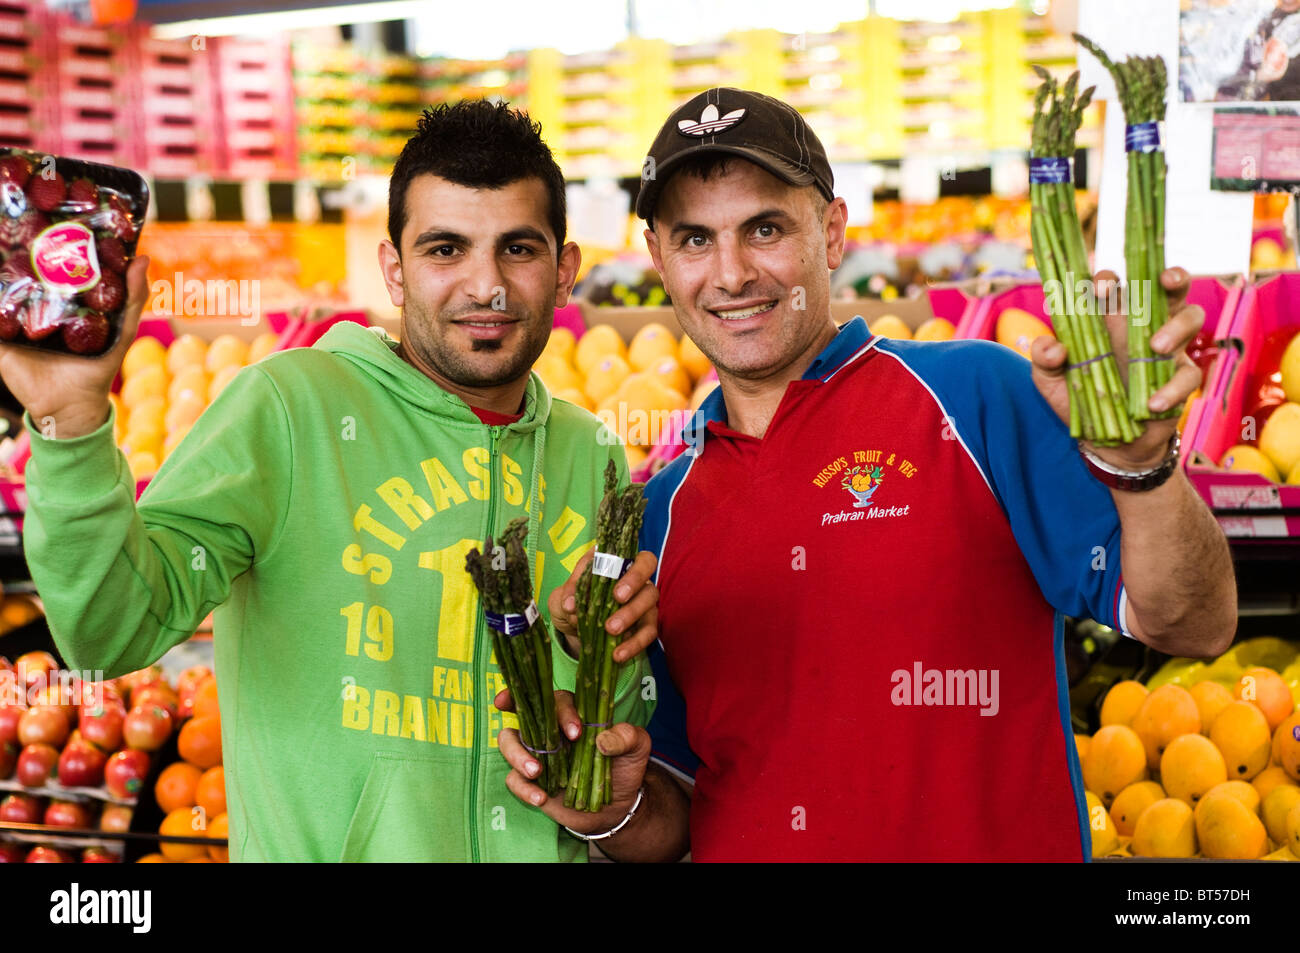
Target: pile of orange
(192,791)
(1208,768)
(626,383)
(164,389)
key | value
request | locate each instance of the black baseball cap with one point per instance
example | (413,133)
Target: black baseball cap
(739,122)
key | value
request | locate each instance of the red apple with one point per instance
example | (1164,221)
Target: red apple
(147,729)
(125,773)
(37,765)
(8,759)
(81,765)
(159,694)
(135,681)
(33,669)
(12,853)
(67,814)
(102,726)
(10,715)
(97,855)
(59,693)
(46,725)
(10,692)
(116,818)
(192,677)
(95,695)
(47,855)
(20,809)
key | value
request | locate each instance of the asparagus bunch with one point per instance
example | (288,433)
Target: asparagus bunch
(522,644)
(618,525)
(1098,404)
(1141,82)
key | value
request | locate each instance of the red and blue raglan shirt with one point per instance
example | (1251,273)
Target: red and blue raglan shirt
(861,615)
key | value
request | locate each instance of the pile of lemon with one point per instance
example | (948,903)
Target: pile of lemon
(624,384)
(1278,455)
(1202,761)
(164,389)
(932,329)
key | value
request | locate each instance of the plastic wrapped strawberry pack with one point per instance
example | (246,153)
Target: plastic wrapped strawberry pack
(68,228)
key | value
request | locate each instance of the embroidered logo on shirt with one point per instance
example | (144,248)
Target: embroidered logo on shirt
(861,474)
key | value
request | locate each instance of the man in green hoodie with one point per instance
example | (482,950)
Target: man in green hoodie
(323,507)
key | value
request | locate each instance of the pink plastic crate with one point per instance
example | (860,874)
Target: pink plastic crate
(1245,385)
(1217,296)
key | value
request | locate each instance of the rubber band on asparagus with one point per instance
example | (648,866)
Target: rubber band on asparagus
(1091,360)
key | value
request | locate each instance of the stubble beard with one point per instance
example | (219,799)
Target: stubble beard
(446,361)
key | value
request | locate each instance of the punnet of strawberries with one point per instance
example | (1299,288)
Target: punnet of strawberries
(68,229)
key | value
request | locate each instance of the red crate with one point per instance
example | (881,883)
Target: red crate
(173,102)
(253,85)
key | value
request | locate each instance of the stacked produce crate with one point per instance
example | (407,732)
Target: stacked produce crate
(253,82)
(90,91)
(25,114)
(171,87)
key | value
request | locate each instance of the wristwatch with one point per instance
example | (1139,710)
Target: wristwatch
(1132,480)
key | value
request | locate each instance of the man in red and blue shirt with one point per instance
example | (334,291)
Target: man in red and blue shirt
(866,554)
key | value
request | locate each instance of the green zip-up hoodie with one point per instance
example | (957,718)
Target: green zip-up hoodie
(322,508)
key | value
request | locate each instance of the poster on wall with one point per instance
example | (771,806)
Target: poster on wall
(1239,51)
(1256,149)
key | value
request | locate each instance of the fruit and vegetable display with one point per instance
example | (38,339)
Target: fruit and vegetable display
(75,755)
(623,284)
(1141,83)
(165,389)
(618,525)
(68,229)
(1203,760)
(521,642)
(932,329)
(1275,454)
(629,386)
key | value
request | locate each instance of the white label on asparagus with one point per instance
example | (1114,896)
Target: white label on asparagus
(608,565)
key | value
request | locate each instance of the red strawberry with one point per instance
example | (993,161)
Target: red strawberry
(13,305)
(47,194)
(16,169)
(107,294)
(11,325)
(112,254)
(19,233)
(114,217)
(86,332)
(83,195)
(44,315)
(18,268)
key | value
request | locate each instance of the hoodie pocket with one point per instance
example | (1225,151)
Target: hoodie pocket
(411,810)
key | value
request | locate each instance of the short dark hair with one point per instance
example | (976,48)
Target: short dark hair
(706,165)
(481,145)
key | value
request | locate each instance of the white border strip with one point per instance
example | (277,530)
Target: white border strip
(863,350)
(952,423)
(1123,614)
(675,772)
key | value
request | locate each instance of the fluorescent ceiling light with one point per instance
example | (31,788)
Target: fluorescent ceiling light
(260,24)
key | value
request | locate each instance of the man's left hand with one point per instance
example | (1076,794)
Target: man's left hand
(638,617)
(1184,322)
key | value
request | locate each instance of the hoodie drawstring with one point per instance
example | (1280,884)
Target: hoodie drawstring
(535,515)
